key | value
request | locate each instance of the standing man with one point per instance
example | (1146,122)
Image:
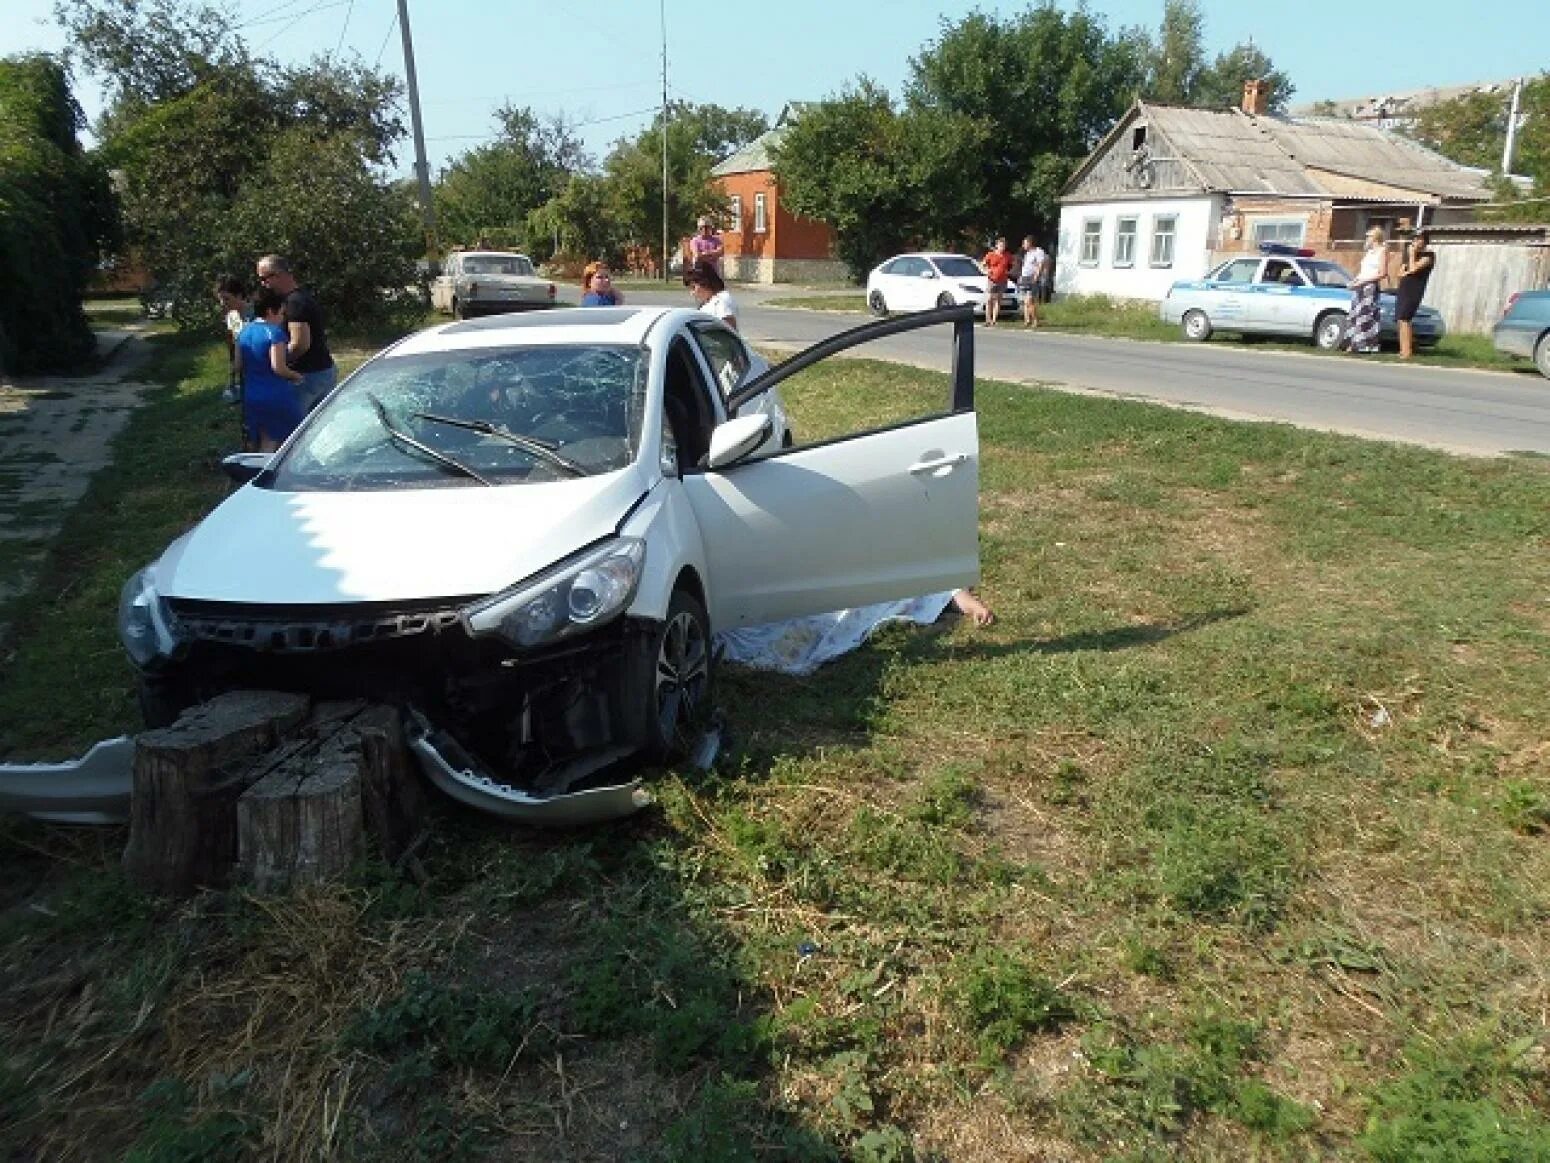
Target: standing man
(706,246)
(1030,280)
(307,351)
(997,264)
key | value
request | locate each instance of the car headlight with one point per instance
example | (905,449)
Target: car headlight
(145,627)
(587,591)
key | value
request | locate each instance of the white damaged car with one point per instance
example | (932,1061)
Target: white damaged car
(523,530)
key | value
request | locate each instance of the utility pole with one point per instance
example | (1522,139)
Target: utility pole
(662,9)
(1512,129)
(422,170)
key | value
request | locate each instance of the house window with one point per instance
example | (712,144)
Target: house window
(1162,239)
(760,225)
(735,211)
(1092,237)
(1125,243)
(1137,137)
(1284,230)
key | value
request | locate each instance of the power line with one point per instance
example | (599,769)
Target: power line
(280,13)
(392,24)
(348,12)
(569,125)
(302,16)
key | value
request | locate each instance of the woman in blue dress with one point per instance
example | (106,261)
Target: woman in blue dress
(270,407)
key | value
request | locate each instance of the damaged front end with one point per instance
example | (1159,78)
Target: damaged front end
(523,703)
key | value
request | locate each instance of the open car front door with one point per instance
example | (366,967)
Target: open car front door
(882,514)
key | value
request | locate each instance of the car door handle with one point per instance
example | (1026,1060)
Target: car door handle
(940,462)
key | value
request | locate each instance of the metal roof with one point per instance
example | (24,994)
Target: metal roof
(1232,152)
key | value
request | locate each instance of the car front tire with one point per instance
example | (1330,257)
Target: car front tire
(1197,326)
(1542,355)
(681,683)
(877,304)
(1329,331)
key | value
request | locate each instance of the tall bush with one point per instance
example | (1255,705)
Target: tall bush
(55,213)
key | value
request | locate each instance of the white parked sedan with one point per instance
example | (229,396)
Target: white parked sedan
(919,282)
(523,529)
(484,282)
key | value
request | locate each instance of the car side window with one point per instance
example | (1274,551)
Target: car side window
(1241,270)
(725,353)
(1282,272)
(688,416)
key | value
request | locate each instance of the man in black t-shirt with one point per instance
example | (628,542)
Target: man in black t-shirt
(307,351)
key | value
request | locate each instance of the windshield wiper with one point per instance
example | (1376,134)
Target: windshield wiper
(440,458)
(541,449)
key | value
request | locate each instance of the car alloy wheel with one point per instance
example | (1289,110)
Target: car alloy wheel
(876,303)
(1542,355)
(1197,326)
(1329,331)
(681,679)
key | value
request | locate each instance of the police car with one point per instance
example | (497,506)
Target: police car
(1281,291)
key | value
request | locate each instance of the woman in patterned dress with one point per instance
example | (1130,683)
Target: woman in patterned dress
(1362,330)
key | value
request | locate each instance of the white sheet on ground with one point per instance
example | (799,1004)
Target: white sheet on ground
(801,645)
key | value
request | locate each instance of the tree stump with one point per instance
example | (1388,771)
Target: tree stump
(306,818)
(250,783)
(187,777)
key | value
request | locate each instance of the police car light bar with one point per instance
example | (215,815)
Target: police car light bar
(1283,249)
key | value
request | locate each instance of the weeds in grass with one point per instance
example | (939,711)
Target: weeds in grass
(1002,1000)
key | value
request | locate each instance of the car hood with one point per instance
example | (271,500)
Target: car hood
(271,548)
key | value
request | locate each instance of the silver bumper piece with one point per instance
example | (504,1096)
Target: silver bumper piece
(477,790)
(93,789)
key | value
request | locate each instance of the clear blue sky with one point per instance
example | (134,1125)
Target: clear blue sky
(599,61)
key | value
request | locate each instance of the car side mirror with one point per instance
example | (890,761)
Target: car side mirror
(242,467)
(735,439)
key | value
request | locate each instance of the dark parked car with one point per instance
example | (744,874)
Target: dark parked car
(1525,328)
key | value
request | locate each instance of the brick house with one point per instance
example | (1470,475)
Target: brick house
(1169,192)
(765,242)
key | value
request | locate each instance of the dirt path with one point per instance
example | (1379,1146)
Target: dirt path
(55,432)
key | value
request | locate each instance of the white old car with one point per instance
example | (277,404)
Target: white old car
(485,282)
(523,530)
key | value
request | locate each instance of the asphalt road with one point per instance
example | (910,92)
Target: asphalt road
(1476,412)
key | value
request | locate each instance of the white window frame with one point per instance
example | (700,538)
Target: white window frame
(1121,236)
(1171,221)
(735,209)
(1255,225)
(760,214)
(1091,228)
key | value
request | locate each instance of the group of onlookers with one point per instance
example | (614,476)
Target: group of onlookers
(1032,269)
(280,363)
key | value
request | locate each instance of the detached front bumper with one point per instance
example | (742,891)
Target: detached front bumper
(450,769)
(93,789)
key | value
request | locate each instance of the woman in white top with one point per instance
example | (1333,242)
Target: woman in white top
(1362,330)
(710,292)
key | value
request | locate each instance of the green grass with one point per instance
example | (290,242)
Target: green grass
(1226,841)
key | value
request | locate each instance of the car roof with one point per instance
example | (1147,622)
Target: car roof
(492,254)
(593,326)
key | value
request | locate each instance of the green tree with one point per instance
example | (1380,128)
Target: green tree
(1043,86)
(495,187)
(698,136)
(577,222)
(1220,86)
(1179,74)
(1178,56)
(195,128)
(56,218)
(1471,129)
(884,180)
